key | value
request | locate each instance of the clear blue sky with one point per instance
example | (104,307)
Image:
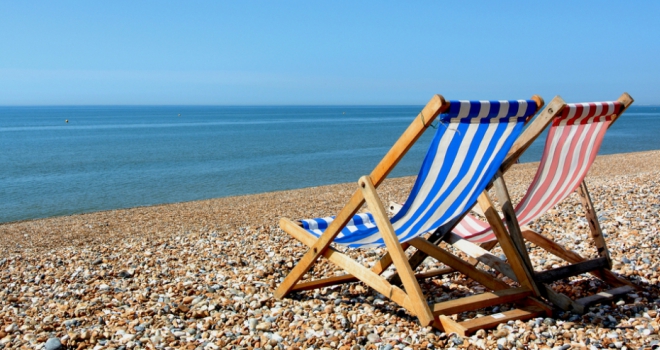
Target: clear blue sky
(332,52)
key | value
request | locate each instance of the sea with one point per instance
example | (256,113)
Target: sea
(63,160)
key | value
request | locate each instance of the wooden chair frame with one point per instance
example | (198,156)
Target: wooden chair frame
(411,297)
(599,267)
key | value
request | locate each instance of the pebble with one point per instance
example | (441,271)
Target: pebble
(53,344)
(252,323)
(500,333)
(202,275)
(373,338)
(502,342)
(264,326)
(458,340)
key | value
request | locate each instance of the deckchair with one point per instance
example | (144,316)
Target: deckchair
(470,143)
(571,147)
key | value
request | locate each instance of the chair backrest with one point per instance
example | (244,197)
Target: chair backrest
(573,141)
(470,144)
(571,147)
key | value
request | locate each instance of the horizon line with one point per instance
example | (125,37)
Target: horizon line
(211,105)
(242,105)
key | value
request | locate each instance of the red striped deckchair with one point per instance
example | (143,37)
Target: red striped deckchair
(571,147)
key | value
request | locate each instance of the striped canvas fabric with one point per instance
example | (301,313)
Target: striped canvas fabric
(571,147)
(470,144)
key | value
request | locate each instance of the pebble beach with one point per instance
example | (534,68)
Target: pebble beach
(201,275)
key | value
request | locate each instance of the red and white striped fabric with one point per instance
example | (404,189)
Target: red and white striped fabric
(573,141)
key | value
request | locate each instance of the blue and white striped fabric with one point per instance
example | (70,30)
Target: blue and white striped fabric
(472,139)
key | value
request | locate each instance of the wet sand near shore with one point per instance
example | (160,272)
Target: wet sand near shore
(202,274)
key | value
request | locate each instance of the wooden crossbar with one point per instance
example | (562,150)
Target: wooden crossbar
(572,257)
(598,298)
(348,278)
(562,272)
(459,264)
(480,301)
(467,328)
(325,282)
(434,273)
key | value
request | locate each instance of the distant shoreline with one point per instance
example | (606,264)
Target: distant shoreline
(255,210)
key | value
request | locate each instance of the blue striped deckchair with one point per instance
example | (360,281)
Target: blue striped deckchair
(470,144)
(472,139)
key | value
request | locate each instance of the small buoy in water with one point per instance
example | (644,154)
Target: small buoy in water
(66,121)
(343,112)
(179,114)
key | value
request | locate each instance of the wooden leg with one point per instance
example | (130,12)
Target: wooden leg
(321,245)
(364,274)
(594,225)
(511,219)
(414,291)
(521,269)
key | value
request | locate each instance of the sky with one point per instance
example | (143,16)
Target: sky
(325,53)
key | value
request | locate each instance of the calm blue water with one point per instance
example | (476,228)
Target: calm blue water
(118,157)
